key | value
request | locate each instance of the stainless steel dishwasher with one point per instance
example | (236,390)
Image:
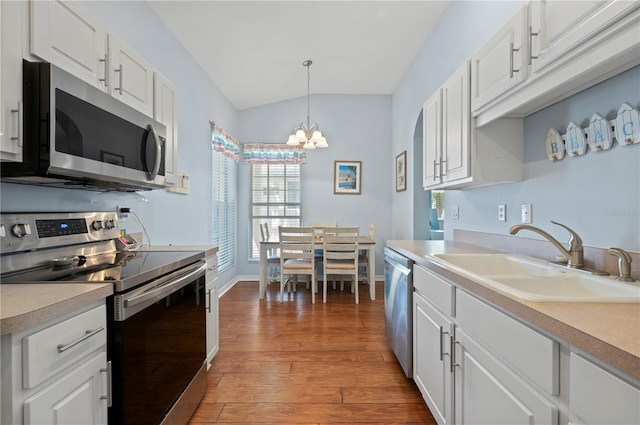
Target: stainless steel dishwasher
(398,303)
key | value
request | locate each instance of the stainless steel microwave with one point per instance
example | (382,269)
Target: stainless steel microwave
(77,136)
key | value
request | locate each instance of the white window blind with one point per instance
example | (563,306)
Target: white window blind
(224,209)
(275,200)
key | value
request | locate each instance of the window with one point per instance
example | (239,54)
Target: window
(224,209)
(437,202)
(275,200)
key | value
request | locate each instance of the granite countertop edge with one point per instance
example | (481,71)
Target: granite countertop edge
(622,351)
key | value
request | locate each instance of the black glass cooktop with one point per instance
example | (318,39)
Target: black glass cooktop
(135,266)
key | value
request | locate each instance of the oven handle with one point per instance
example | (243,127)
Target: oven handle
(165,288)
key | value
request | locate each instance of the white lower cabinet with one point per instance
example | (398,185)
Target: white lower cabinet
(57,372)
(597,396)
(461,378)
(213,323)
(431,358)
(74,399)
(475,364)
(488,392)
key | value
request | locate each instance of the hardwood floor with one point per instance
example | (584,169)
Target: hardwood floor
(299,363)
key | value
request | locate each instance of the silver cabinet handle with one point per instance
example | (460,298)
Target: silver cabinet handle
(453,363)
(442,334)
(511,52)
(88,334)
(18,112)
(119,71)
(442,163)
(209,299)
(158,154)
(531,35)
(435,176)
(104,80)
(109,395)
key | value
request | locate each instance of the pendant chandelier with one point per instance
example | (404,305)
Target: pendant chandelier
(309,136)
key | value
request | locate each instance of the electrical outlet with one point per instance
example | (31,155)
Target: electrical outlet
(526,214)
(502,212)
(455,213)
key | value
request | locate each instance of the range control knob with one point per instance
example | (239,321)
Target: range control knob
(3,232)
(21,230)
(96,225)
(108,224)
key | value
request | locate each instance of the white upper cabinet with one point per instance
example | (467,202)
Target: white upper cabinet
(559,27)
(131,76)
(165,105)
(432,136)
(446,136)
(10,81)
(456,123)
(500,63)
(64,34)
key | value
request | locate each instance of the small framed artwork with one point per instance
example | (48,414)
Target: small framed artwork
(347,177)
(401,172)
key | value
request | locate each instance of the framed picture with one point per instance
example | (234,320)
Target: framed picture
(347,176)
(401,172)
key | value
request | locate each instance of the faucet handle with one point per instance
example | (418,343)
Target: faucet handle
(624,264)
(574,240)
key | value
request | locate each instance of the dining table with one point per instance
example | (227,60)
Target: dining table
(365,243)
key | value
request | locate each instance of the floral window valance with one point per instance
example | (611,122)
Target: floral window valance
(272,153)
(224,142)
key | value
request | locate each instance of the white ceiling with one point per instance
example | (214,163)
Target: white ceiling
(253,50)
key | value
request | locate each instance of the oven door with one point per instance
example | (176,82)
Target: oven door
(157,344)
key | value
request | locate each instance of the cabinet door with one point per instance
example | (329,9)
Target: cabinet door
(74,399)
(64,34)
(558,27)
(431,359)
(456,118)
(500,63)
(131,76)
(432,140)
(11,81)
(486,392)
(165,104)
(213,324)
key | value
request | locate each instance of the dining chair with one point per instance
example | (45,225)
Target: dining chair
(363,258)
(318,227)
(297,256)
(273,257)
(340,251)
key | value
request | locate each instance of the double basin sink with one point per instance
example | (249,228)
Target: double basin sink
(531,279)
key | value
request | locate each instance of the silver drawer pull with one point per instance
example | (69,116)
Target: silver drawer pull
(109,396)
(88,334)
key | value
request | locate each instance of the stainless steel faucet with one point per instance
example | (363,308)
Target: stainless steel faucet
(575,254)
(624,264)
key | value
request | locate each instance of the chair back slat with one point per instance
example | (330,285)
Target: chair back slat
(340,243)
(296,243)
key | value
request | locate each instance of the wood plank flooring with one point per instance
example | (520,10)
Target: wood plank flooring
(299,363)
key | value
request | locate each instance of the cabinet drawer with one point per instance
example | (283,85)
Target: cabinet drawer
(529,352)
(54,348)
(438,291)
(212,268)
(599,397)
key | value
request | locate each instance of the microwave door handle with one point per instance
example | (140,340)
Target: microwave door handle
(158,157)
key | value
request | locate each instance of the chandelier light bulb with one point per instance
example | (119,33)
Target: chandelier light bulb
(301,135)
(292,141)
(309,145)
(316,136)
(322,143)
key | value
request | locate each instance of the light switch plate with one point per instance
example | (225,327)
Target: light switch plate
(526,214)
(502,212)
(455,213)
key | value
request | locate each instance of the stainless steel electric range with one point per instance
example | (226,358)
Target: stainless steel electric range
(157,318)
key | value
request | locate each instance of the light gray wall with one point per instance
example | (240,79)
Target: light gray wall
(169,218)
(462,29)
(357,128)
(597,195)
